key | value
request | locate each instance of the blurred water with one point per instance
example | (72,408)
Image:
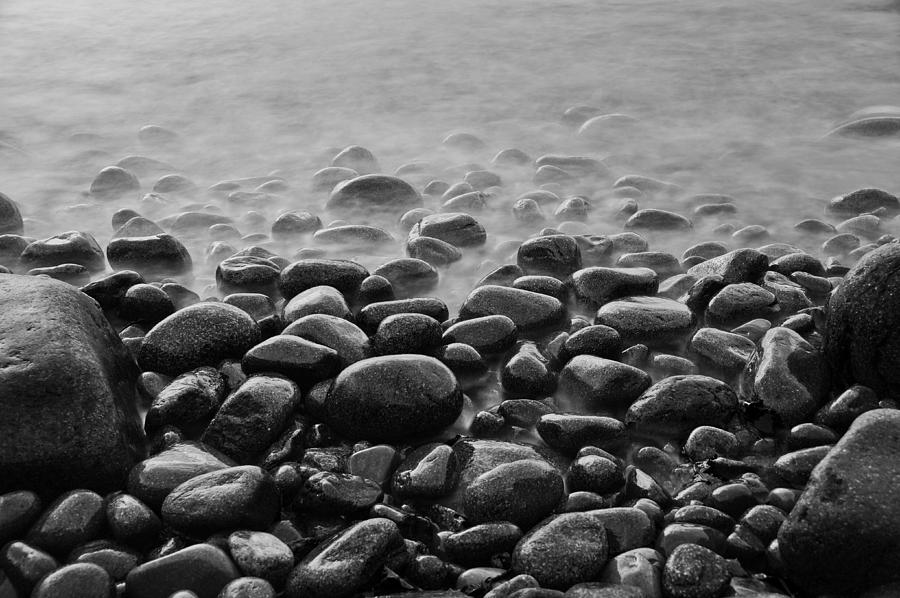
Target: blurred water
(734,96)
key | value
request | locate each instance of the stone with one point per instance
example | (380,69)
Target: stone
(349,342)
(130,521)
(640,568)
(10,217)
(74,518)
(343,565)
(487,335)
(190,399)
(343,275)
(693,571)
(301,360)
(84,580)
(676,405)
(530,312)
(23,567)
(860,347)
(370,316)
(568,433)
(653,321)
(428,471)
(202,569)
(562,551)
(588,384)
(153,479)
(787,375)
(243,497)
(864,200)
(407,333)
(393,397)
(657,220)
(357,158)
(740,265)
(326,178)
(114,182)
(201,334)
(598,285)
(73,247)
(522,492)
(260,554)
(64,374)
(353,236)
(151,256)
(333,493)
(373,192)
(456,228)
(18,510)
(551,255)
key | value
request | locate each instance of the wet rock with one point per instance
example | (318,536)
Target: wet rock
(693,571)
(545,285)
(374,289)
(146,305)
(796,467)
(433,251)
(407,333)
(527,374)
(529,311)
(72,247)
(343,275)
(409,277)
(49,394)
(522,492)
(590,384)
(653,321)
(345,564)
(597,340)
(373,314)
(349,342)
(130,521)
(153,479)
(373,192)
(202,569)
(662,263)
(301,360)
(201,334)
(593,473)
(708,442)
(562,551)
(740,265)
(326,178)
(259,554)
(247,587)
(81,579)
(393,397)
(114,182)
(478,544)
(150,256)
(552,255)
(599,285)
(863,201)
(252,417)
(243,497)
(676,405)
(338,494)
(317,300)
(10,217)
(458,229)
(74,518)
(191,398)
(725,350)
(651,219)
(640,568)
(787,375)
(429,471)
(740,303)
(247,274)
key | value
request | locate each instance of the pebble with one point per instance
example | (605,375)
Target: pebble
(114,182)
(428,471)
(588,383)
(523,493)
(371,192)
(344,275)
(551,255)
(151,256)
(370,316)
(692,571)
(530,312)
(458,229)
(676,405)
(654,321)
(191,399)
(599,285)
(262,555)
(75,517)
(202,569)
(24,566)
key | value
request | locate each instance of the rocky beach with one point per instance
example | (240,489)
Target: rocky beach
(586,300)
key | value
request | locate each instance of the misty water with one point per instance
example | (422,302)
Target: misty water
(731,97)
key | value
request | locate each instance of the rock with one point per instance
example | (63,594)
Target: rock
(343,275)
(487,335)
(552,255)
(597,340)
(796,467)
(393,397)
(640,568)
(864,201)
(340,567)
(371,192)
(74,518)
(409,277)
(338,494)
(150,256)
(739,303)
(130,521)
(317,300)
(247,587)
(676,405)
(326,178)
(73,247)
(787,375)
(303,361)
(372,315)
(357,158)
(693,571)
(657,220)
(153,479)
(259,554)
(527,374)
(477,544)
(353,236)
(433,251)
(568,433)
(10,217)
(654,321)
(23,567)
(740,265)
(562,551)
(457,229)
(860,346)
(724,350)
(598,285)
(663,264)
(529,311)
(84,580)
(247,274)
(349,342)
(114,182)
(522,492)
(190,399)
(18,510)
(202,569)
(64,374)
(201,334)
(589,384)
(244,497)
(252,417)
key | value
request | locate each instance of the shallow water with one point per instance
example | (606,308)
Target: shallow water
(734,97)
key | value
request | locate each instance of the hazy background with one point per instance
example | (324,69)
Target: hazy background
(734,96)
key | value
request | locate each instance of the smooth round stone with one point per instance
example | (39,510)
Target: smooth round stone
(433,251)
(73,247)
(74,518)
(115,559)
(653,321)
(343,275)
(393,397)
(863,201)
(301,360)
(253,416)
(138,226)
(372,315)
(562,551)
(676,405)
(73,274)
(201,334)
(293,224)
(487,335)
(457,190)
(358,158)
(409,277)
(458,229)
(130,521)
(568,433)
(259,554)
(175,184)
(796,467)
(740,265)
(247,274)
(202,569)
(477,544)
(593,473)
(24,566)
(502,276)
(191,398)
(664,264)
(652,219)
(577,165)
(10,217)
(545,285)
(84,580)
(153,479)
(521,492)
(708,442)
(156,135)
(373,192)
(114,182)
(374,289)
(343,565)
(528,211)
(326,178)
(843,410)
(511,157)
(740,303)
(530,312)
(349,342)
(571,209)
(338,494)
(145,304)
(407,333)
(317,300)
(589,384)
(234,498)
(18,510)
(155,255)
(429,471)
(360,236)
(693,571)
(724,350)
(598,285)
(551,255)
(527,374)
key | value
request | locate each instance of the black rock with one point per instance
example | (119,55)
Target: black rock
(653,321)
(301,360)
(349,342)
(353,236)
(740,265)
(146,305)
(676,405)
(373,314)
(863,201)
(151,480)
(373,192)
(247,274)
(72,247)
(569,433)
(598,285)
(551,255)
(657,220)
(202,569)
(522,492)
(25,566)
(693,571)
(261,555)
(409,277)
(338,494)
(458,229)
(344,275)
(739,303)
(190,399)
(433,251)
(130,521)
(529,311)
(10,217)
(428,471)
(407,333)
(153,256)
(84,580)
(487,335)
(478,544)
(317,300)
(588,384)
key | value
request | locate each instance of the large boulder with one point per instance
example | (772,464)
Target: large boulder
(67,404)
(842,535)
(371,192)
(861,343)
